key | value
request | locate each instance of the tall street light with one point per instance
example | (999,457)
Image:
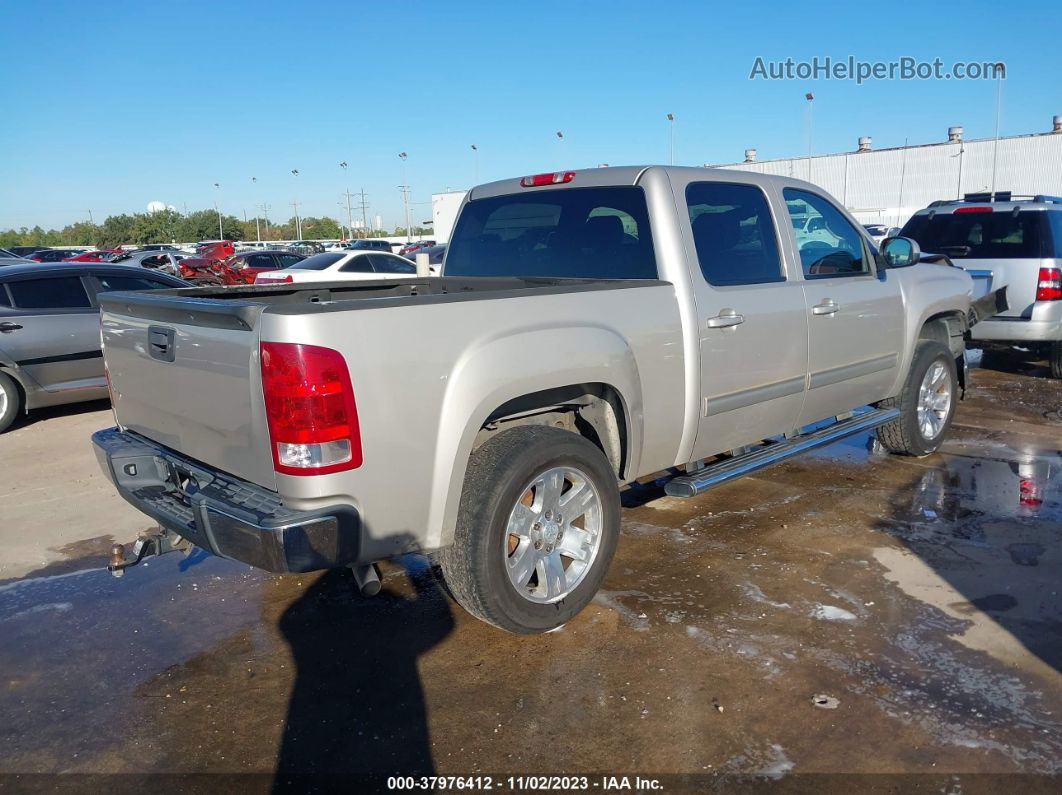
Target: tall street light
(221,231)
(405,194)
(350,214)
(811,120)
(671,124)
(257,224)
(295,204)
(1001,70)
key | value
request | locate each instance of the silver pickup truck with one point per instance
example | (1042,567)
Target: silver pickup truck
(590,328)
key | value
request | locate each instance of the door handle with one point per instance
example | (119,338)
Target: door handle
(9,327)
(725,319)
(827,307)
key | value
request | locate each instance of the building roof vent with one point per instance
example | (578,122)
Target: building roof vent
(954,134)
(750,154)
(864,143)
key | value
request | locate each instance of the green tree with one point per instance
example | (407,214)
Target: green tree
(117,230)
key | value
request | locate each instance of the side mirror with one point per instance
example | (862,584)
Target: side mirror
(900,252)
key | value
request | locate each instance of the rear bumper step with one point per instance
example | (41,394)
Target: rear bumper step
(223,514)
(760,457)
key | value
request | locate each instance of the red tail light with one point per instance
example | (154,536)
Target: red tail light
(553,178)
(1049,285)
(309,401)
(972,210)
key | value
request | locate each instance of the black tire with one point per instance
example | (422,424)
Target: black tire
(498,475)
(12,401)
(1054,358)
(903,435)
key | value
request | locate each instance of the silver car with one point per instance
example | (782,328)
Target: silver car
(162,261)
(50,331)
(1004,240)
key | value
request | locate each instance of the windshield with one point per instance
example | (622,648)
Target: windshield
(589,233)
(318,262)
(981,235)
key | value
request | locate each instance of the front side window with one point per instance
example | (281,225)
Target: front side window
(734,233)
(64,292)
(389,263)
(291,260)
(828,243)
(582,233)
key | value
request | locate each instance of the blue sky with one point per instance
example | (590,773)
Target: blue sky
(114,104)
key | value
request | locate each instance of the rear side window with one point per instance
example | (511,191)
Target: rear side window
(588,233)
(318,262)
(981,235)
(64,292)
(109,283)
(734,233)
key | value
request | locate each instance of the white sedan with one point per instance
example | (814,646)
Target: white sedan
(334,266)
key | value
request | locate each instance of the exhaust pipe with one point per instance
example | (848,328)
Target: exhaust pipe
(367,578)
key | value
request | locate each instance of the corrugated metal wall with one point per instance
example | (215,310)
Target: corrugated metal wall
(887,186)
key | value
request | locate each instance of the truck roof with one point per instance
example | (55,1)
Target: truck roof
(631,175)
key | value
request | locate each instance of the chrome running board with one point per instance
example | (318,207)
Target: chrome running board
(773,452)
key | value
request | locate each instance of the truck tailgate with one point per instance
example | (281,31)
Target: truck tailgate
(186,375)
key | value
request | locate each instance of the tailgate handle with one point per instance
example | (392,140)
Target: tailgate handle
(160,343)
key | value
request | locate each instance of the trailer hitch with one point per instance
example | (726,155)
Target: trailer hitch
(150,544)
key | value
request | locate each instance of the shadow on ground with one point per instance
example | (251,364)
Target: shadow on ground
(357,708)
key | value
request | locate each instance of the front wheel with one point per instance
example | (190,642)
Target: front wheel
(1054,358)
(537,528)
(926,403)
(10,401)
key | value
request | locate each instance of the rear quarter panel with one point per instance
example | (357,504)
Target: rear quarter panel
(426,377)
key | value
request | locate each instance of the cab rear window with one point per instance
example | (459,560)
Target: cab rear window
(586,233)
(982,235)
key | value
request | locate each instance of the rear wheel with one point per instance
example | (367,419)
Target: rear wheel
(1054,358)
(537,528)
(926,403)
(10,401)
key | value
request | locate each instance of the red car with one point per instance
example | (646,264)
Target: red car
(239,268)
(103,255)
(412,248)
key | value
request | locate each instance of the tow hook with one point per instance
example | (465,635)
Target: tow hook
(151,544)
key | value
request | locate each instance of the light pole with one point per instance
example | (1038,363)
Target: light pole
(295,204)
(350,215)
(405,194)
(475,160)
(257,224)
(811,122)
(671,125)
(221,231)
(1001,69)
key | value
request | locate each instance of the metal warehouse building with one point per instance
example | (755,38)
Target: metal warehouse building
(887,185)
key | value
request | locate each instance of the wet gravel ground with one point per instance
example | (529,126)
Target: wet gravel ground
(845,613)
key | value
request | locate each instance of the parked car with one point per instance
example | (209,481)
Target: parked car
(158,247)
(306,247)
(53,254)
(372,245)
(7,254)
(412,248)
(435,254)
(153,259)
(1011,241)
(50,331)
(202,268)
(101,255)
(590,328)
(242,268)
(340,266)
(25,251)
(878,232)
